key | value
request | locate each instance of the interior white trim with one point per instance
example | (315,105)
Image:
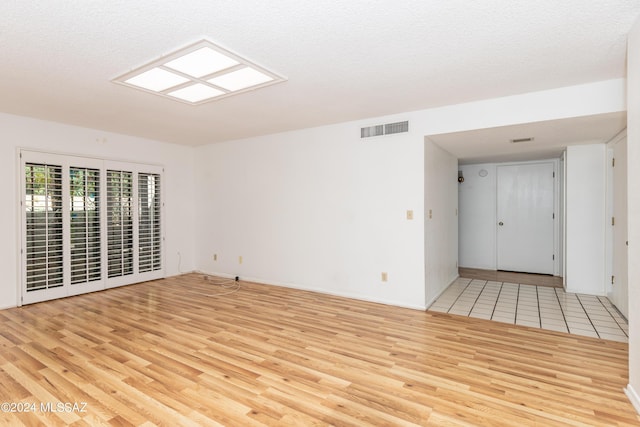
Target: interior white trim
(633,396)
(319,290)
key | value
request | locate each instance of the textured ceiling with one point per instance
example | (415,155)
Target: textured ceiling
(344,60)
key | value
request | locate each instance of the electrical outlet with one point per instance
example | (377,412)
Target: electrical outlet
(384,276)
(409,214)
(430,214)
(240,259)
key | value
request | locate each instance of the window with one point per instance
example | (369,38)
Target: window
(84,224)
(120,222)
(149,222)
(43,212)
(88,224)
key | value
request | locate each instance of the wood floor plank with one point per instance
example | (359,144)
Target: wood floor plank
(166,353)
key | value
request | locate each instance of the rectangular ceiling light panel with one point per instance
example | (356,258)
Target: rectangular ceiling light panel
(156,79)
(196,93)
(241,79)
(199,73)
(202,62)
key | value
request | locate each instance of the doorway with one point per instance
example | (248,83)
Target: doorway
(524,196)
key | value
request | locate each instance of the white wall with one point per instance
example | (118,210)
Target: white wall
(477,217)
(318,209)
(21,132)
(572,101)
(322,209)
(441,220)
(585,219)
(633,206)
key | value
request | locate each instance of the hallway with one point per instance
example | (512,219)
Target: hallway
(538,306)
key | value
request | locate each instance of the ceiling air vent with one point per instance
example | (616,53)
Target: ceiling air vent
(398,127)
(386,129)
(371,131)
(519,140)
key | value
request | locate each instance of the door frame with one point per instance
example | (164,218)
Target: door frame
(610,206)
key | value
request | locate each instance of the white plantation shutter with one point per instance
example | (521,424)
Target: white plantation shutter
(43,217)
(149,225)
(88,224)
(85,234)
(119,223)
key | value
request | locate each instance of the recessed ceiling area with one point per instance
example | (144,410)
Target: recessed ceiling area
(550,138)
(343,61)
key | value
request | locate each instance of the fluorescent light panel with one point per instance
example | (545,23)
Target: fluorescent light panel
(240,79)
(199,73)
(196,93)
(202,62)
(156,79)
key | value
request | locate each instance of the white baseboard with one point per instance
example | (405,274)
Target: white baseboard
(318,290)
(633,396)
(6,307)
(207,273)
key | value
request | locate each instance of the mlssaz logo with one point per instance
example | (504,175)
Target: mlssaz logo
(65,407)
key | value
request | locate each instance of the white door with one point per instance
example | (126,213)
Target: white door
(619,294)
(525,200)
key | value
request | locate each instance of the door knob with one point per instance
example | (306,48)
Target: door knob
(501,223)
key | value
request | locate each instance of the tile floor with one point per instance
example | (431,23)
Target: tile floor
(536,306)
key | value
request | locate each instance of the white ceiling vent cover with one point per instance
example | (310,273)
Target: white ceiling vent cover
(386,129)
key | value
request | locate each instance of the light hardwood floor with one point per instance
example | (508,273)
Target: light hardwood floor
(164,353)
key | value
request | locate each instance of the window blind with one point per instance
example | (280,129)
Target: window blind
(149,226)
(44,237)
(84,200)
(87,224)
(120,223)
